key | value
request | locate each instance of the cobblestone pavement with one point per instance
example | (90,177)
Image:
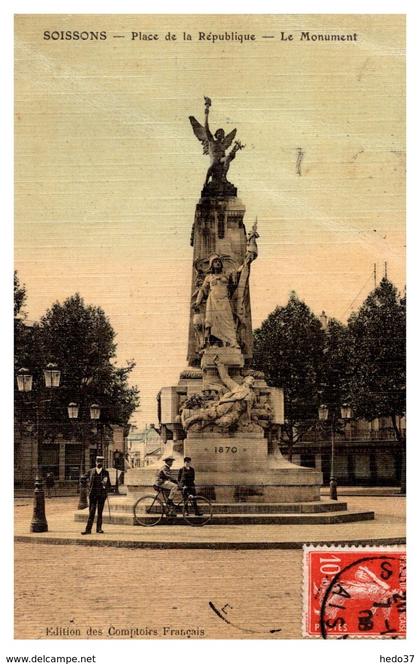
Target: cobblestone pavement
(81,587)
(60,588)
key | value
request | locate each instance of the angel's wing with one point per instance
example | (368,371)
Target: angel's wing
(201,134)
(227,141)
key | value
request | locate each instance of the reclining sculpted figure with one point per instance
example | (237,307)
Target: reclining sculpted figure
(225,413)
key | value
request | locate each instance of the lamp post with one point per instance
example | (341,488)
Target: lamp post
(345,413)
(323,416)
(117,465)
(24,381)
(73,413)
(95,414)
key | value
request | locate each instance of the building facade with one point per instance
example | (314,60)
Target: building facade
(144,446)
(64,456)
(366,453)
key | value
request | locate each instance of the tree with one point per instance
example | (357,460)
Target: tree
(22,332)
(335,372)
(377,356)
(81,341)
(19,292)
(288,348)
(122,398)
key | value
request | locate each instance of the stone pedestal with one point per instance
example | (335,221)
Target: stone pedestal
(236,468)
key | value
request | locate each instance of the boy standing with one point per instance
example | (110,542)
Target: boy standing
(186,478)
(186,481)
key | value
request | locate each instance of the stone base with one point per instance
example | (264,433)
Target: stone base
(245,484)
(237,514)
(234,469)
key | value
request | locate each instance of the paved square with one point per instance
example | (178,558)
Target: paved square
(70,591)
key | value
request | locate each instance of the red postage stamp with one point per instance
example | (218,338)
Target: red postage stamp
(354,591)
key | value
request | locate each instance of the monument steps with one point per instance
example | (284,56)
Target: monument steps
(311,507)
(248,518)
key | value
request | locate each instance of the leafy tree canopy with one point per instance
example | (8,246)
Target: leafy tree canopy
(81,341)
(22,333)
(336,368)
(19,292)
(377,354)
(361,364)
(288,348)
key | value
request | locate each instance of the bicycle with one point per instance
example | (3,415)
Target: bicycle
(149,510)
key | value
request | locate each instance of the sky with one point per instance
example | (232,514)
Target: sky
(108,171)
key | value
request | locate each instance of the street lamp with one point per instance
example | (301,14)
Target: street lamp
(346,414)
(52,375)
(95,414)
(73,410)
(24,380)
(323,416)
(95,411)
(323,413)
(73,413)
(24,383)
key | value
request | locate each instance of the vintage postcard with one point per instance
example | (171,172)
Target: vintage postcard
(209,311)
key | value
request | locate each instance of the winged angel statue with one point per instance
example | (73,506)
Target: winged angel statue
(215,146)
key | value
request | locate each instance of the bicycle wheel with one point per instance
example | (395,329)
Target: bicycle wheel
(197,510)
(148,511)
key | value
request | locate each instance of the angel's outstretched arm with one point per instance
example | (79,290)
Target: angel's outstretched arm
(207,104)
(206,124)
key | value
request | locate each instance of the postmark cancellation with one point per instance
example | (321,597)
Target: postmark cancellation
(354,591)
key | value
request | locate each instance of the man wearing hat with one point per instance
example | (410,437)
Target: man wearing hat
(186,480)
(98,486)
(165,481)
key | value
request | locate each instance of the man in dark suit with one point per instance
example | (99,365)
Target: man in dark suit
(186,478)
(186,481)
(98,486)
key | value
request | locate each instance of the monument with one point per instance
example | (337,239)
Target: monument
(221,412)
